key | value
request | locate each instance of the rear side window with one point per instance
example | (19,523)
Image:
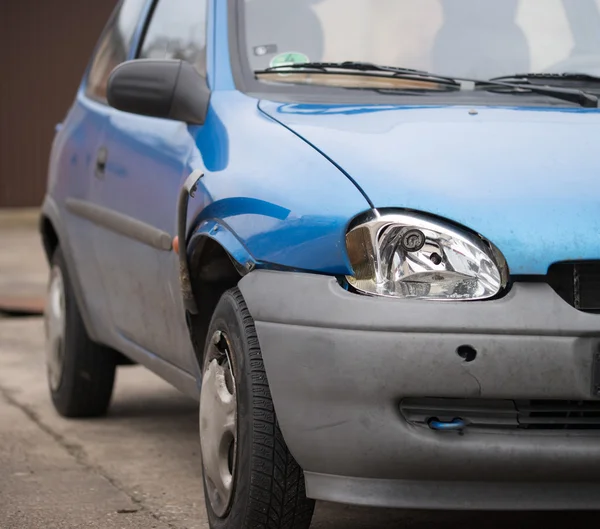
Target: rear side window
(114,46)
(177,30)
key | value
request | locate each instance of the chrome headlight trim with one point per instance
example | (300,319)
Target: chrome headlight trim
(417,256)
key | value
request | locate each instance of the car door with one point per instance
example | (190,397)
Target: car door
(81,155)
(146,161)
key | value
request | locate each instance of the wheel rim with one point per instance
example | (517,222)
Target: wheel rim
(218,424)
(54,322)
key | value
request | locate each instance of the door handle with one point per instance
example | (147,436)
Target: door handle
(101,160)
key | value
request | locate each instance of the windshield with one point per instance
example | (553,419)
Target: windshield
(459,38)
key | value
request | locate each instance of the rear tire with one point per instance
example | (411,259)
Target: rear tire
(81,373)
(256,483)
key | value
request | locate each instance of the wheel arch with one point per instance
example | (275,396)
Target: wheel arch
(51,240)
(217,262)
(49,234)
(53,235)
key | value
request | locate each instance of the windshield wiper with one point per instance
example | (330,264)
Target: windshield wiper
(566,76)
(574,95)
(364,67)
(460,83)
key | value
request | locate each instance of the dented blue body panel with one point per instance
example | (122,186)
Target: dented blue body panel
(527,179)
(283,201)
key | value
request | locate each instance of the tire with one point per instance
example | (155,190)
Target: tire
(81,373)
(266,484)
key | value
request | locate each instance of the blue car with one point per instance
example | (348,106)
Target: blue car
(365,236)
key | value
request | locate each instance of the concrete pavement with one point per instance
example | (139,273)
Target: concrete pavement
(44,485)
(139,467)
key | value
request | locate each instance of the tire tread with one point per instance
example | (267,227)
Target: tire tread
(283,503)
(89,370)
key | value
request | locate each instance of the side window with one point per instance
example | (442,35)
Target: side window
(114,46)
(177,31)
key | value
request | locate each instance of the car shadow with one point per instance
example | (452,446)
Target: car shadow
(332,516)
(154,406)
(158,410)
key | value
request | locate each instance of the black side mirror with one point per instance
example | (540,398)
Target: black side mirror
(164,88)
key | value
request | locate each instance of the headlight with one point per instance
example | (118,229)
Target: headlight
(409,255)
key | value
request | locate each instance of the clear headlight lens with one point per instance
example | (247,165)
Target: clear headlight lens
(414,256)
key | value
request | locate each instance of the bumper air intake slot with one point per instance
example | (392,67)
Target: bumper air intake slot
(578,283)
(504,414)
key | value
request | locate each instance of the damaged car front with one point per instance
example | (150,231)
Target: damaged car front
(456,361)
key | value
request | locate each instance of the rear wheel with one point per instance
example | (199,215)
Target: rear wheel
(250,478)
(80,372)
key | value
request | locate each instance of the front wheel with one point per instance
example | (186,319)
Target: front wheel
(250,478)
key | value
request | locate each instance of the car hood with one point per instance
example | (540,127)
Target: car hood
(526,179)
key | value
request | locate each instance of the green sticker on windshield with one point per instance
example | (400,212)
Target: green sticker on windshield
(286,59)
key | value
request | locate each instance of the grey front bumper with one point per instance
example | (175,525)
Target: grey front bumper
(340,363)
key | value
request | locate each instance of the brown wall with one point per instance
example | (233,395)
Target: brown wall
(45,46)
